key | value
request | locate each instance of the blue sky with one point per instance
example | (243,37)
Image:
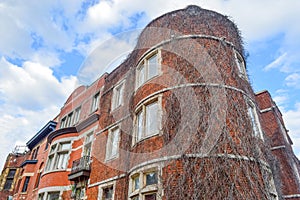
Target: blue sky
(46,48)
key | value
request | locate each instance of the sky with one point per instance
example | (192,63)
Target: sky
(45,48)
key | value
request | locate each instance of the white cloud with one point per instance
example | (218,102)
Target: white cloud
(277,63)
(293,80)
(33,85)
(292,119)
(30,96)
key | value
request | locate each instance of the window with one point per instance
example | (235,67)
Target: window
(26,182)
(63,122)
(37,182)
(71,119)
(144,185)
(9,179)
(34,153)
(136,182)
(79,193)
(53,196)
(112,146)
(117,99)
(95,102)
(38,176)
(77,115)
(88,145)
(147,120)
(254,120)
(241,65)
(148,68)
(150,178)
(58,156)
(106,191)
(41,196)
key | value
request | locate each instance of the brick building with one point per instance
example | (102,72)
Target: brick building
(177,119)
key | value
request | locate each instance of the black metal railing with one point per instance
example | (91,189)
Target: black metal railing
(81,164)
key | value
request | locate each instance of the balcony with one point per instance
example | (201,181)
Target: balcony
(80,169)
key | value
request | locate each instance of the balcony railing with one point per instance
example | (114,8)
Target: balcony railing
(80,168)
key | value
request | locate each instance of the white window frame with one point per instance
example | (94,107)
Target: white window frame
(143,188)
(77,115)
(240,63)
(102,187)
(254,120)
(55,152)
(95,102)
(142,110)
(118,95)
(63,122)
(88,143)
(109,143)
(144,64)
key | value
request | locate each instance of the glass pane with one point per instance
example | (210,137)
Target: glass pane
(95,102)
(139,125)
(8,183)
(136,183)
(11,173)
(118,96)
(61,160)
(108,193)
(135,198)
(141,75)
(152,66)
(151,119)
(150,196)
(49,163)
(53,148)
(253,120)
(53,196)
(69,119)
(65,146)
(63,122)
(151,178)
(87,150)
(77,114)
(114,142)
(41,196)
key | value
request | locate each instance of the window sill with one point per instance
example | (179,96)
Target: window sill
(116,108)
(53,171)
(147,81)
(112,158)
(145,138)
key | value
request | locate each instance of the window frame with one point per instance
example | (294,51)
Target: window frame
(109,143)
(25,184)
(144,64)
(104,186)
(241,66)
(144,189)
(95,101)
(77,113)
(88,143)
(254,120)
(54,153)
(9,179)
(142,113)
(71,118)
(118,95)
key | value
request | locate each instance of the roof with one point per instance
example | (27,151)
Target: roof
(48,128)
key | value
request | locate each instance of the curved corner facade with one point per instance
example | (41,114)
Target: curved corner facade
(177,119)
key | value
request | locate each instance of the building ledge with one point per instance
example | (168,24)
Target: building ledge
(28,162)
(79,175)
